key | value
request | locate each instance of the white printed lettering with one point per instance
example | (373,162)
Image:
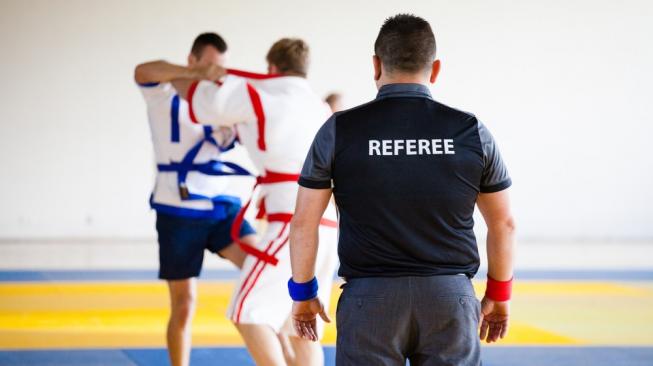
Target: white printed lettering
(437,146)
(387,147)
(399,145)
(374,147)
(424,147)
(448,147)
(410,147)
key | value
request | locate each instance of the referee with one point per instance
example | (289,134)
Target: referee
(406,172)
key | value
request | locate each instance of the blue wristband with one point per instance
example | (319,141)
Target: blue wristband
(302,291)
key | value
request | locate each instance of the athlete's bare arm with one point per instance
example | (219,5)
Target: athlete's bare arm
(304,230)
(163,71)
(182,86)
(495,208)
(209,72)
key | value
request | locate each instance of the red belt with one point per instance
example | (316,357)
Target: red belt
(268,178)
(286,217)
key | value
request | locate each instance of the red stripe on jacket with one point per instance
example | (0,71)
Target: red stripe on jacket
(260,116)
(191,93)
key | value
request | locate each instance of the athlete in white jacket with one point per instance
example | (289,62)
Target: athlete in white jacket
(194,208)
(276,116)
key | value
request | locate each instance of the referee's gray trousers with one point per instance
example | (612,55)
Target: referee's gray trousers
(427,320)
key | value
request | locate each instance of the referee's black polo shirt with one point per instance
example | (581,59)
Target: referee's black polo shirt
(406,172)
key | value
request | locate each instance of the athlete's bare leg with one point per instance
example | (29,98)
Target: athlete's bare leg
(182,309)
(299,352)
(234,254)
(288,352)
(263,344)
(306,352)
(261,340)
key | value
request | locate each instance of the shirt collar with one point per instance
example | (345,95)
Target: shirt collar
(404,90)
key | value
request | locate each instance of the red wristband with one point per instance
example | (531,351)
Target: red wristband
(498,290)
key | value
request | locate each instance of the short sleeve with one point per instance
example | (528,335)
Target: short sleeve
(222,105)
(495,176)
(156,92)
(317,170)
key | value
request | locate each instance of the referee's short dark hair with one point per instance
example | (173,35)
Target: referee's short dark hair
(208,39)
(405,44)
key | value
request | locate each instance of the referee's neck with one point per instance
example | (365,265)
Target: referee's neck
(402,78)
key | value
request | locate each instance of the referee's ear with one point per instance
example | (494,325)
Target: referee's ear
(435,71)
(376,61)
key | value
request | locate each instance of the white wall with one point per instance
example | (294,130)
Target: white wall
(564,85)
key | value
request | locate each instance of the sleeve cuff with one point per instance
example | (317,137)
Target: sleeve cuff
(148,85)
(497,187)
(314,184)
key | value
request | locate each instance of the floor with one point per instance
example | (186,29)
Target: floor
(492,356)
(117,317)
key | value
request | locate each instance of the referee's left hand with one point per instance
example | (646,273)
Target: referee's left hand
(304,318)
(494,319)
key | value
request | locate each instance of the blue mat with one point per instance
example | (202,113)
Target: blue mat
(492,356)
(151,275)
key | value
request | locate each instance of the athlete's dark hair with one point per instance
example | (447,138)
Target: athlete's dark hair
(208,39)
(405,43)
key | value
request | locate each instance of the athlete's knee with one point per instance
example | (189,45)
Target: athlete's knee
(182,315)
(182,309)
(235,254)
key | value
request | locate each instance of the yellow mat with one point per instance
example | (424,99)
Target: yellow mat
(133,314)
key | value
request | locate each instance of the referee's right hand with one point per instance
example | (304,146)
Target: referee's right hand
(494,319)
(304,318)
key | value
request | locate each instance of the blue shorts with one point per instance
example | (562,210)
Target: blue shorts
(182,241)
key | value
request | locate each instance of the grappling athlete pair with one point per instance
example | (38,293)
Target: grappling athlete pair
(195,113)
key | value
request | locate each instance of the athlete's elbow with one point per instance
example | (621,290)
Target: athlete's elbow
(146,72)
(140,74)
